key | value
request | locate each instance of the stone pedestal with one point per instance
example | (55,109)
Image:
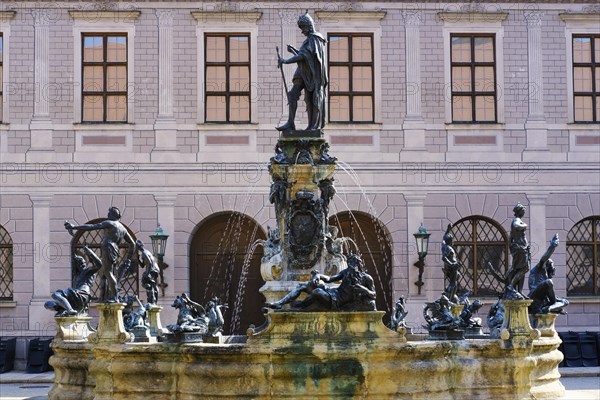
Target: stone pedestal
(73,328)
(456,309)
(110,326)
(516,331)
(545,324)
(156,328)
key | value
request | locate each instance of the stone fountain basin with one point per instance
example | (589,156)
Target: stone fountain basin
(310,355)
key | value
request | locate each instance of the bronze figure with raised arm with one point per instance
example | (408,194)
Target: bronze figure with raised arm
(113,233)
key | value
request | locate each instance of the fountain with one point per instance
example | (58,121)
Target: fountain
(331,343)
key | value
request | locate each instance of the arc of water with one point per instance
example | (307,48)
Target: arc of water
(380,281)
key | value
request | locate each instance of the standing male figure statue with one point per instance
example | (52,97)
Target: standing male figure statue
(114,232)
(310,76)
(519,250)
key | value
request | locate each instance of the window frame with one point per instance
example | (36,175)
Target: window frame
(228,64)
(593,65)
(5,17)
(103,22)
(350,64)
(105,93)
(474,23)
(474,93)
(595,244)
(473,219)
(576,24)
(8,246)
(234,22)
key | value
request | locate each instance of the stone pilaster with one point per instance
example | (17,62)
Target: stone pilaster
(41,124)
(537,226)
(289,28)
(165,127)
(413,126)
(537,133)
(166,219)
(412,23)
(535,68)
(38,315)
(415,214)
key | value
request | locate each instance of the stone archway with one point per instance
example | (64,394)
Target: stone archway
(374,243)
(217,253)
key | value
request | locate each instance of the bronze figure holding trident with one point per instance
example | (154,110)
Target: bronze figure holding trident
(310,76)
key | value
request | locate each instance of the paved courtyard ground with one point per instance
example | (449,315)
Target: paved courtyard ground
(581,384)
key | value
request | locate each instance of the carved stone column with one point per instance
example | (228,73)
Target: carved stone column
(537,226)
(415,214)
(289,28)
(413,126)
(537,133)
(39,317)
(165,127)
(166,218)
(412,23)
(41,124)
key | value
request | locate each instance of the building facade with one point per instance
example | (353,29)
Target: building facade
(438,113)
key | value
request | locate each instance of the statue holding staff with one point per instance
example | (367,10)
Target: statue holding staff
(310,76)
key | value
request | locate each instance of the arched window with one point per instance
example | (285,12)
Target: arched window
(477,241)
(374,244)
(127,286)
(583,257)
(6,265)
(218,251)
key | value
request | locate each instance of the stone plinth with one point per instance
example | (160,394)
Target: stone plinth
(156,328)
(75,328)
(110,325)
(516,332)
(545,324)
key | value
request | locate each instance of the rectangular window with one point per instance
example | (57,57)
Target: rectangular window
(104,69)
(473,75)
(351,96)
(227,77)
(586,78)
(1,74)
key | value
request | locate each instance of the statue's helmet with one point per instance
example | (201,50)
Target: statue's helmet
(306,20)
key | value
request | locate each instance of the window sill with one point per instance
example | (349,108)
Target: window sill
(583,126)
(585,299)
(91,126)
(215,126)
(474,127)
(4,126)
(343,126)
(8,303)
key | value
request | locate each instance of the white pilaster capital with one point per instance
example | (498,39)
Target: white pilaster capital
(165,200)
(412,18)
(537,198)
(415,199)
(165,17)
(534,18)
(40,200)
(41,17)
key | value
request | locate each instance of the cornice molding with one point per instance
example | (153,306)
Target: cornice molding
(226,16)
(341,16)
